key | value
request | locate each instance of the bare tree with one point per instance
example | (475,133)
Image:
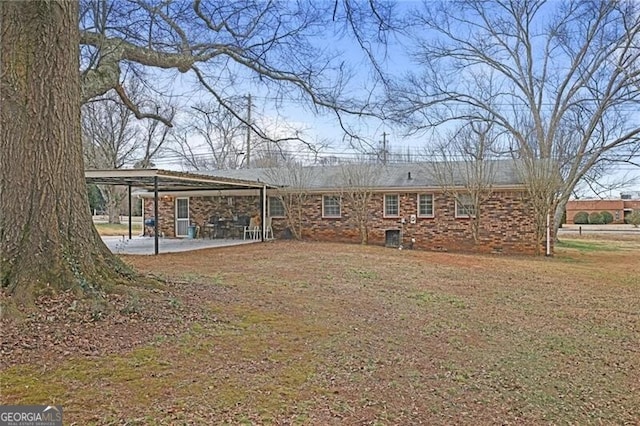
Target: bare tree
(223,44)
(357,182)
(463,166)
(542,178)
(212,138)
(113,138)
(47,236)
(154,137)
(293,182)
(110,135)
(560,79)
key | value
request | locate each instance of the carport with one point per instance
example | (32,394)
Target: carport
(160,181)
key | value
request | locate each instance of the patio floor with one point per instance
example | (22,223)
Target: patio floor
(145,245)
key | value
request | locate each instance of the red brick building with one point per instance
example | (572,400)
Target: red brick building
(406,208)
(619,208)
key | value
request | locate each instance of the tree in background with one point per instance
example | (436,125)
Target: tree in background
(154,135)
(633,218)
(49,67)
(212,138)
(292,189)
(96,202)
(542,179)
(110,140)
(463,167)
(113,139)
(356,183)
(559,81)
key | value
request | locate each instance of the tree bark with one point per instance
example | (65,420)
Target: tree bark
(47,236)
(558,213)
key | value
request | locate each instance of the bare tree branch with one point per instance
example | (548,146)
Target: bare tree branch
(559,78)
(272,43)
(136,111)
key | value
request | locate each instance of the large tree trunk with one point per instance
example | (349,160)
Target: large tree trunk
(47,237)
(559,213)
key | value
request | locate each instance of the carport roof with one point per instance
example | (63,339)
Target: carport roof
(167,180)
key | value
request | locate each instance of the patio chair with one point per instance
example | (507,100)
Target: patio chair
(239,226)
(209,228)
(268,231)
(253,229)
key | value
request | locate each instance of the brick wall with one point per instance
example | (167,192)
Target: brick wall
(200,210)
(166,212)
(506,222)
(506,225)
(617,208)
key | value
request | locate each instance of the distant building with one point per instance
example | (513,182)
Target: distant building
(619,208)
(632,195)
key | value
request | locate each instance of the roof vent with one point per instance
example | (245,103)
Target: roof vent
(409,175)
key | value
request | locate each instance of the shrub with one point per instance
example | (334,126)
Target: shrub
(581,218)
(634,218)
(607,217)
(596,218)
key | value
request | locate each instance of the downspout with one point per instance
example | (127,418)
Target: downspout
(263,192)
(548,233)
(129,186)
(155,212)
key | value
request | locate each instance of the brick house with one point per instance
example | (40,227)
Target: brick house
(407,207)
(619,208)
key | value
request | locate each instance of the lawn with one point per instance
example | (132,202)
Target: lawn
(116,229)
(311,333)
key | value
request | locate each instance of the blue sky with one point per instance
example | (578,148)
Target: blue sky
(325,127)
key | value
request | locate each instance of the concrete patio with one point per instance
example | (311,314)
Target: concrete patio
(145,245)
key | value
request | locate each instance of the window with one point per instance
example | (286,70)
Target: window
(276,208)
(391,205)
(331,206)
(464,206)
(425,205)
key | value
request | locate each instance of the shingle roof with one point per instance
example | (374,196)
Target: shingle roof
(396,175)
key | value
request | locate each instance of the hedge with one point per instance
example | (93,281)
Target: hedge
(596,218)
(634,218)
(607,217)
(581,218)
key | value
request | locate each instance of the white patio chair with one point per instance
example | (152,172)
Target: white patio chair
(253,230)
(268,231)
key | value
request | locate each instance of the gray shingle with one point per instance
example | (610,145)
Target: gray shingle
(390,176)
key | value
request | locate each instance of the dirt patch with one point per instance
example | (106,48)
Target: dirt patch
(313,333)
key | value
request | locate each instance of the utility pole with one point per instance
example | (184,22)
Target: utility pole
(248,131)
(384,148)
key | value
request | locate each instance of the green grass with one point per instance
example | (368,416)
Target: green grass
(587,246)
(112,229)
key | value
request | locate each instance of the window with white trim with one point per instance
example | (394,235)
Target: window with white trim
(276,208)
(465,206)
(391,205)
(331,206)
(425,205)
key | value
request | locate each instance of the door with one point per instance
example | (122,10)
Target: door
(182,217)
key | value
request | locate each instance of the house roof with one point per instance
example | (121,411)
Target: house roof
(167,180)
(391,176)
